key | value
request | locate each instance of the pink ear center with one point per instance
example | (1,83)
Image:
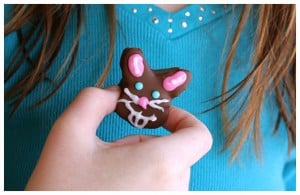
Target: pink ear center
(172,82)
(136,65)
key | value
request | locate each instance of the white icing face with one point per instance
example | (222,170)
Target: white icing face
(137,119)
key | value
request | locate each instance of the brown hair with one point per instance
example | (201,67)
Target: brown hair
(273,69)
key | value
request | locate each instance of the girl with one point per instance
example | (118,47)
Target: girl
(242,59)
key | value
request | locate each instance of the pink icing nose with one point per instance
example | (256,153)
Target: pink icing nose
(143,102)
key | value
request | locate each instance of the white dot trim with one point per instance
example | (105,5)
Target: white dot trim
(134,10)
(184,24)
(177,22)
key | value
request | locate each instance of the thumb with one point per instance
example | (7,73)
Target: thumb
(88,109)
(190,138)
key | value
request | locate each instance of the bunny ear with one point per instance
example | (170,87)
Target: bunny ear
(136,65)
(170,83)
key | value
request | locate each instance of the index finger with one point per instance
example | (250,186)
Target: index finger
(190,138)
(89,108)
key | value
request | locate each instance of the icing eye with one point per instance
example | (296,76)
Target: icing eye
(139,86)
(155,94)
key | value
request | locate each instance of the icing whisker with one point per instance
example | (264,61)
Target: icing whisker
(153,104)
(133,97)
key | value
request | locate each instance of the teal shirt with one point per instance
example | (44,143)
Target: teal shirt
(193,38)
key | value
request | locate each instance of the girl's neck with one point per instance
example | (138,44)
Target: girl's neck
(171,7)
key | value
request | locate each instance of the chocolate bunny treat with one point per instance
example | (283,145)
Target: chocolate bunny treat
(146,94)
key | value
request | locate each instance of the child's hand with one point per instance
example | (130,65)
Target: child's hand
(74,158)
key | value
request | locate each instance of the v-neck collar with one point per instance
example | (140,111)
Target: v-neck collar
(175,24)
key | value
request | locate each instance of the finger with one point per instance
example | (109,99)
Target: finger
(190,139)
(132,139)
(88,109)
